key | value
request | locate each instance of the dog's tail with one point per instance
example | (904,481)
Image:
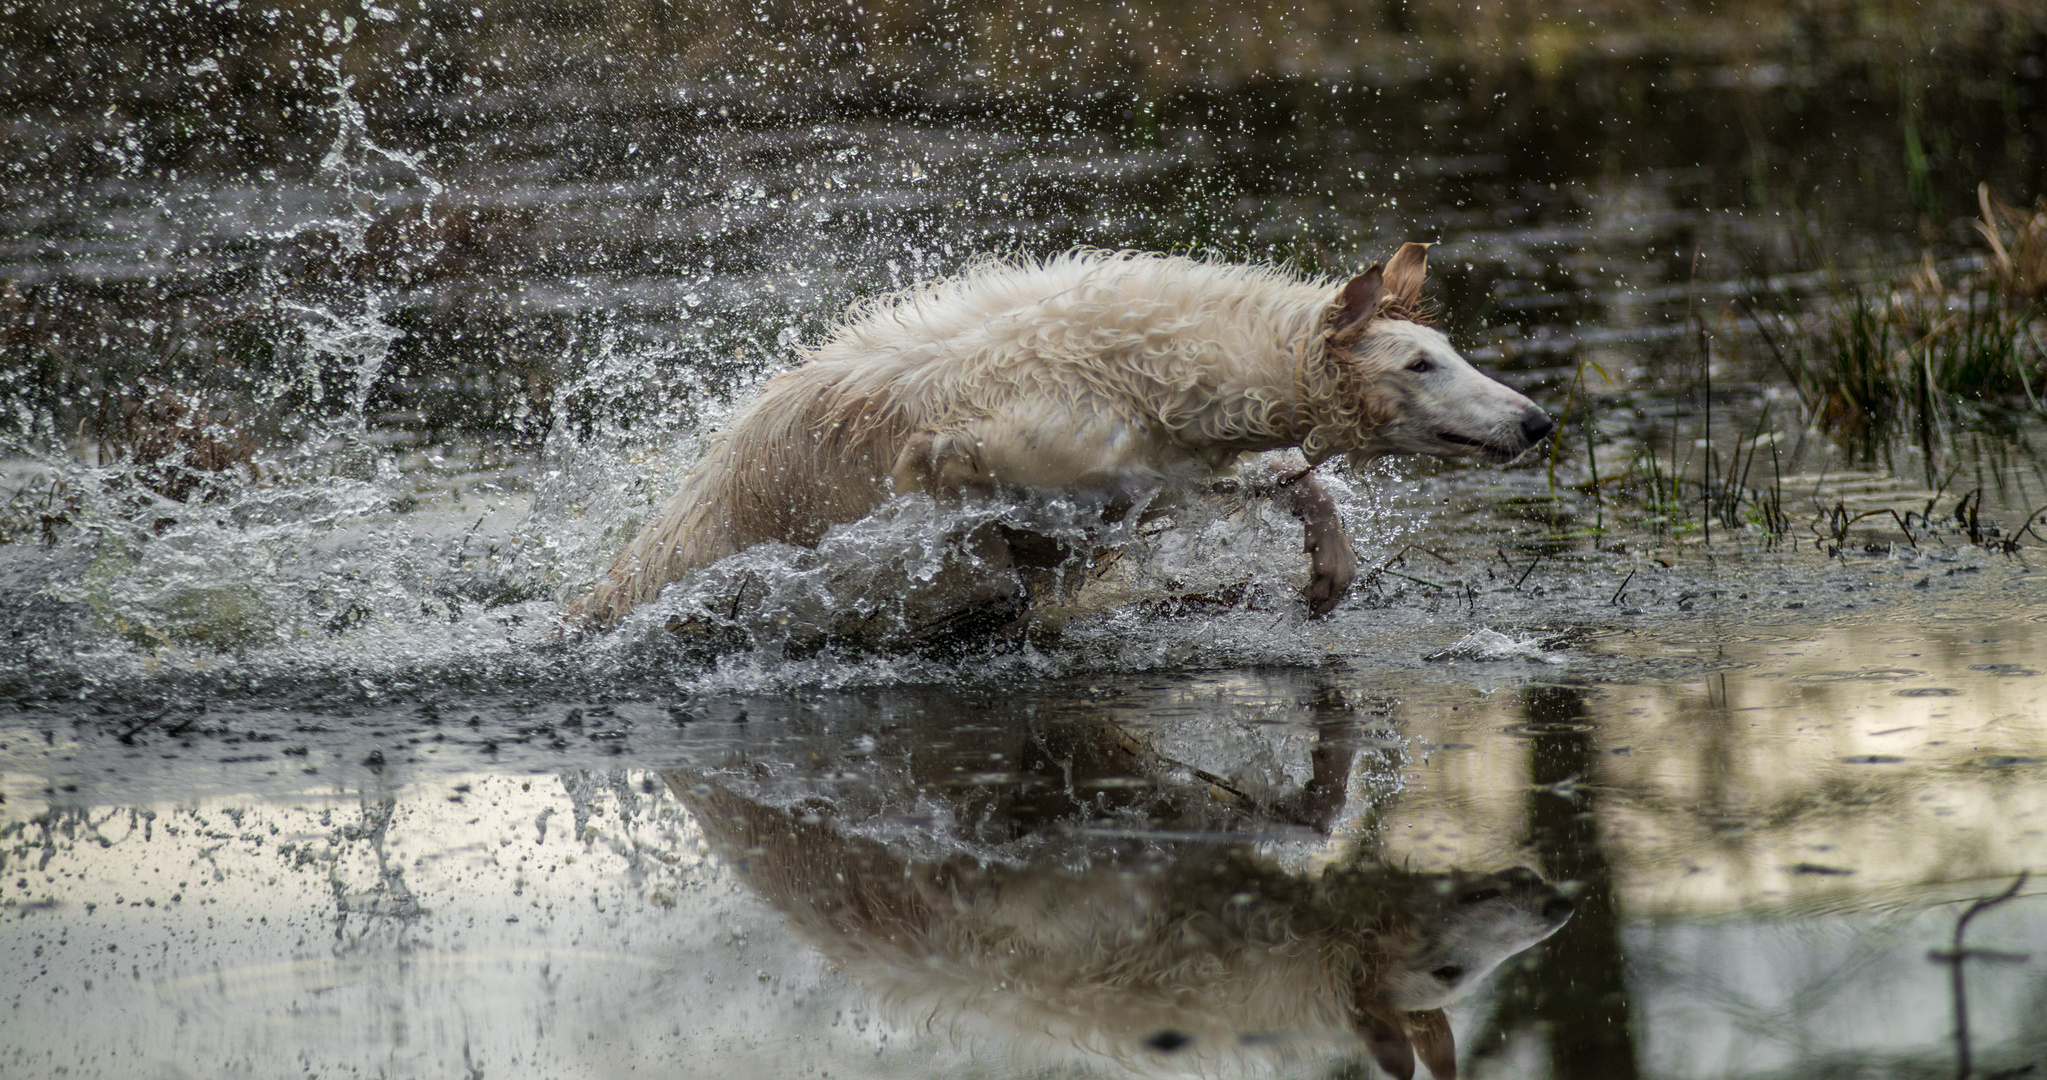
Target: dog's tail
(809,453)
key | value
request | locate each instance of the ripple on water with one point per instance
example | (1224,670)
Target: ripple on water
(2009,671)
(1861,675)
(1550,728)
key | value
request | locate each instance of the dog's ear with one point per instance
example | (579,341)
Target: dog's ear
(1429,1031)
(1386,1037)
(1356,305)
(1404,275)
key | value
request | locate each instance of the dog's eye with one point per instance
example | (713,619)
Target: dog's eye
(1421,367)
(1449,973)
(1480,896)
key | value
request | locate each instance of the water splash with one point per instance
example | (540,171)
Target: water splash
(351,552)
(1488,644)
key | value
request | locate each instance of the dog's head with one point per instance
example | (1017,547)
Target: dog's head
(1386,384)
(1446,934)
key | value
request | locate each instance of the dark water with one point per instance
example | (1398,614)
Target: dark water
(296,782)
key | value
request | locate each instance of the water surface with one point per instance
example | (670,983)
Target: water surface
(297,780)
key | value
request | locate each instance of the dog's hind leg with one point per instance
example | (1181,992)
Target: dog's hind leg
(978,593)
(935,464)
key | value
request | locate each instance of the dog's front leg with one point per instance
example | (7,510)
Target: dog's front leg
(1332,563)
(1334,757)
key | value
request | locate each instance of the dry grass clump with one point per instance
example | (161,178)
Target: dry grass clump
(40,505)
(168,444)
(175,444)
(2020,266)
(1920,353)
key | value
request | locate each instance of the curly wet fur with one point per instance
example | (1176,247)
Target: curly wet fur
(1092,372)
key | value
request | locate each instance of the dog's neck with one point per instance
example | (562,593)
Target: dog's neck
(1321,428)
(1292,394)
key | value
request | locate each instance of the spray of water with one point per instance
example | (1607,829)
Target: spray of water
(326,544)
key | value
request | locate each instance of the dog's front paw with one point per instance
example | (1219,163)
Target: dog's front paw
(1332,568)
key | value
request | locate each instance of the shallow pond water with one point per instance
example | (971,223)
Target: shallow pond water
(1770,821)
(1771,811)
(297,779)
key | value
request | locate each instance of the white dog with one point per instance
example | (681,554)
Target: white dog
(1110,377)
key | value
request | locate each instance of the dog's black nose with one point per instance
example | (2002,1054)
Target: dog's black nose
(1535,425)
(1557,908)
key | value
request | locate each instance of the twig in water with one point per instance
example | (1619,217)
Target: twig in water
(1780,522)
(1398,558)
(456,559)
(1966,515)
(2027,525)
(1532,564)
(1927,513)
(1797,384)
(1736,487)
(1622,591)
(1960,954)
(1436,555)
(1839,521)
(1405,577)
(128,737)
(1705,354)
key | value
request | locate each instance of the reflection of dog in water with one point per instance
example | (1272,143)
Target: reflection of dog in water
(1112,379)
(1162,956)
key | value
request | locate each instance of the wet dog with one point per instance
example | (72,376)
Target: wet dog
(1118,380)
